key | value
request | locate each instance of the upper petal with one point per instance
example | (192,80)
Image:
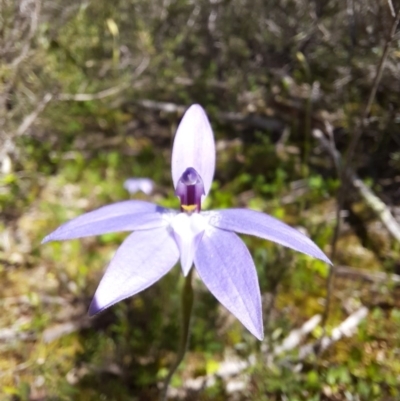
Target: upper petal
(246,221)
(194,147)
(142,259)
(227,269)
(122,216)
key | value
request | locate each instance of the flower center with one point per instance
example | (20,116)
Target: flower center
(190,189)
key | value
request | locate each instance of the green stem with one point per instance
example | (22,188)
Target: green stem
(186,306)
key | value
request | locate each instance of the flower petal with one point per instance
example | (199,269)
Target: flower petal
(188,231)
(142,259)
(250,222)
(227,269)
(122,216)
(194,147)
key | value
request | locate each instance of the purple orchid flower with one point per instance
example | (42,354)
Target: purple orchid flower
(206,238)
(133,185)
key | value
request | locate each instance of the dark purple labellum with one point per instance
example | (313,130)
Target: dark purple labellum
(190,189)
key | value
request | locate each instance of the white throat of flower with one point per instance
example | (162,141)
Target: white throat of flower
(188,229)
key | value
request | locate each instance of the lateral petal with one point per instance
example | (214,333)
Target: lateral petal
(227,269)
(245,221)
(194,147)
(122,216)
(142,259)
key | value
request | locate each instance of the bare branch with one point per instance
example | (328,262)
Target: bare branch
(32,30)
(30,119)
(391,8)
(377,80)
(86,97)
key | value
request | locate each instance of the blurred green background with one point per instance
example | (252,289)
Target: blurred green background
(91,93)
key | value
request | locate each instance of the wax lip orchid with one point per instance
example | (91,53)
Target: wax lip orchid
(133,185)
(206,239)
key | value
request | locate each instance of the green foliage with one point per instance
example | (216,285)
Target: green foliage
(229,56)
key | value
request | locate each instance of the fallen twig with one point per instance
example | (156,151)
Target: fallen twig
(378,207)
(232,367)
(346,329)
(367,275)
(296,336)
(86,97)
(381,211)
(252,120)
(55,332)
(344,170)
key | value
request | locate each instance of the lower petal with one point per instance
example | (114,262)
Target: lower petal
(142,259)
(227,269)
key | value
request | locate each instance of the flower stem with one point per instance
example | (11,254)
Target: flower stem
(186,309)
